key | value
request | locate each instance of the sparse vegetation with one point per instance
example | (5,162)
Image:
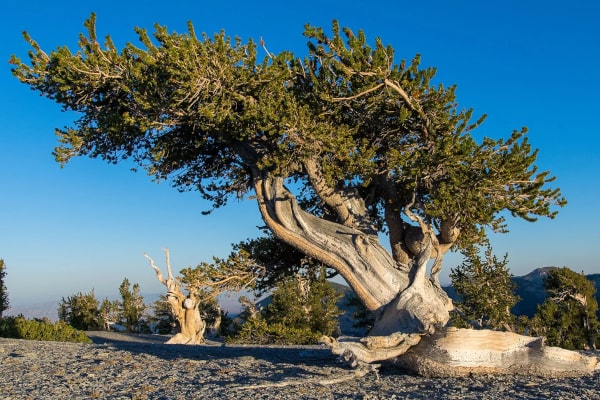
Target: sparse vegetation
(109,312)
(21,328)
(81,311)
(162,316)
(131,307)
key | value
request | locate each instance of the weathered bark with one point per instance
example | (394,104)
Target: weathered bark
(403,299)
(358,257)
(411,308)
(460,352)
(185,308)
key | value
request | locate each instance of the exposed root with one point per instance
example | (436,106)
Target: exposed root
(461,352)
(372,349)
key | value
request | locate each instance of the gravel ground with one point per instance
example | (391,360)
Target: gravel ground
(122,366)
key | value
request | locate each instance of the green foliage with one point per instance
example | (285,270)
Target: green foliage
(486,292)
(81,311)
(568,316)
(131,306)
(302,309)
(237,272)
(4,303)
(205,113)
(272,261)
(21,328)
(162,316)
(8,327)
(258,331)
(305,302)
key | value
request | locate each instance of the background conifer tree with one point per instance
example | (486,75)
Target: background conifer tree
(567,318)
(109,312)
(162,316)
(4,303)
(303,308)
(81,311)
(486,291)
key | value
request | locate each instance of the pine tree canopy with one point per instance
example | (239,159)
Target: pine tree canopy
(361,136)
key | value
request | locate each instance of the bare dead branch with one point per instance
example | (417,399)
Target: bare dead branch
(168,260)
(359,94)
(159,274)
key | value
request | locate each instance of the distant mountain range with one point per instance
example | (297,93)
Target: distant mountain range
(530,288)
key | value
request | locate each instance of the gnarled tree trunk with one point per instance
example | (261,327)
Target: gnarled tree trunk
(185,308)
(402,298)
(411,308)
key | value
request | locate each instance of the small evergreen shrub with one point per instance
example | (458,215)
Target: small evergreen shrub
(8,328)
(301,311)
(44,330)
(258,331)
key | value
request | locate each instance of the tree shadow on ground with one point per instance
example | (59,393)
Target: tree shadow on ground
(310,355)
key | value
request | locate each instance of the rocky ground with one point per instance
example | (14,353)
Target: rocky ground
(121,366)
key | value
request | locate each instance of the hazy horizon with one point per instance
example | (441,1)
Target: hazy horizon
(229,302)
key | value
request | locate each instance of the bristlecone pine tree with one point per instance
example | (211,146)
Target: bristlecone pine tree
(486,291)
(371,146)
(567,318)
(4,303)
(109,313)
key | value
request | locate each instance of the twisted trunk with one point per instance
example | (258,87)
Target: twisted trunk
(402,298)
(184,308)
(411,309)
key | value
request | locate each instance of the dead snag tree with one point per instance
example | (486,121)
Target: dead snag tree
(184,307)
(337,147)
(203,283)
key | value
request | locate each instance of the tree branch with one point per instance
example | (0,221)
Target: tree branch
(159,274)
(351,210)
(359,94)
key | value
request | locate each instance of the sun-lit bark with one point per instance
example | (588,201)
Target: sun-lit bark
(184,308)
(462,352)
(361,260)
(412,309)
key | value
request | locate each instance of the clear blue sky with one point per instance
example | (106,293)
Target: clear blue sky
(84,227)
